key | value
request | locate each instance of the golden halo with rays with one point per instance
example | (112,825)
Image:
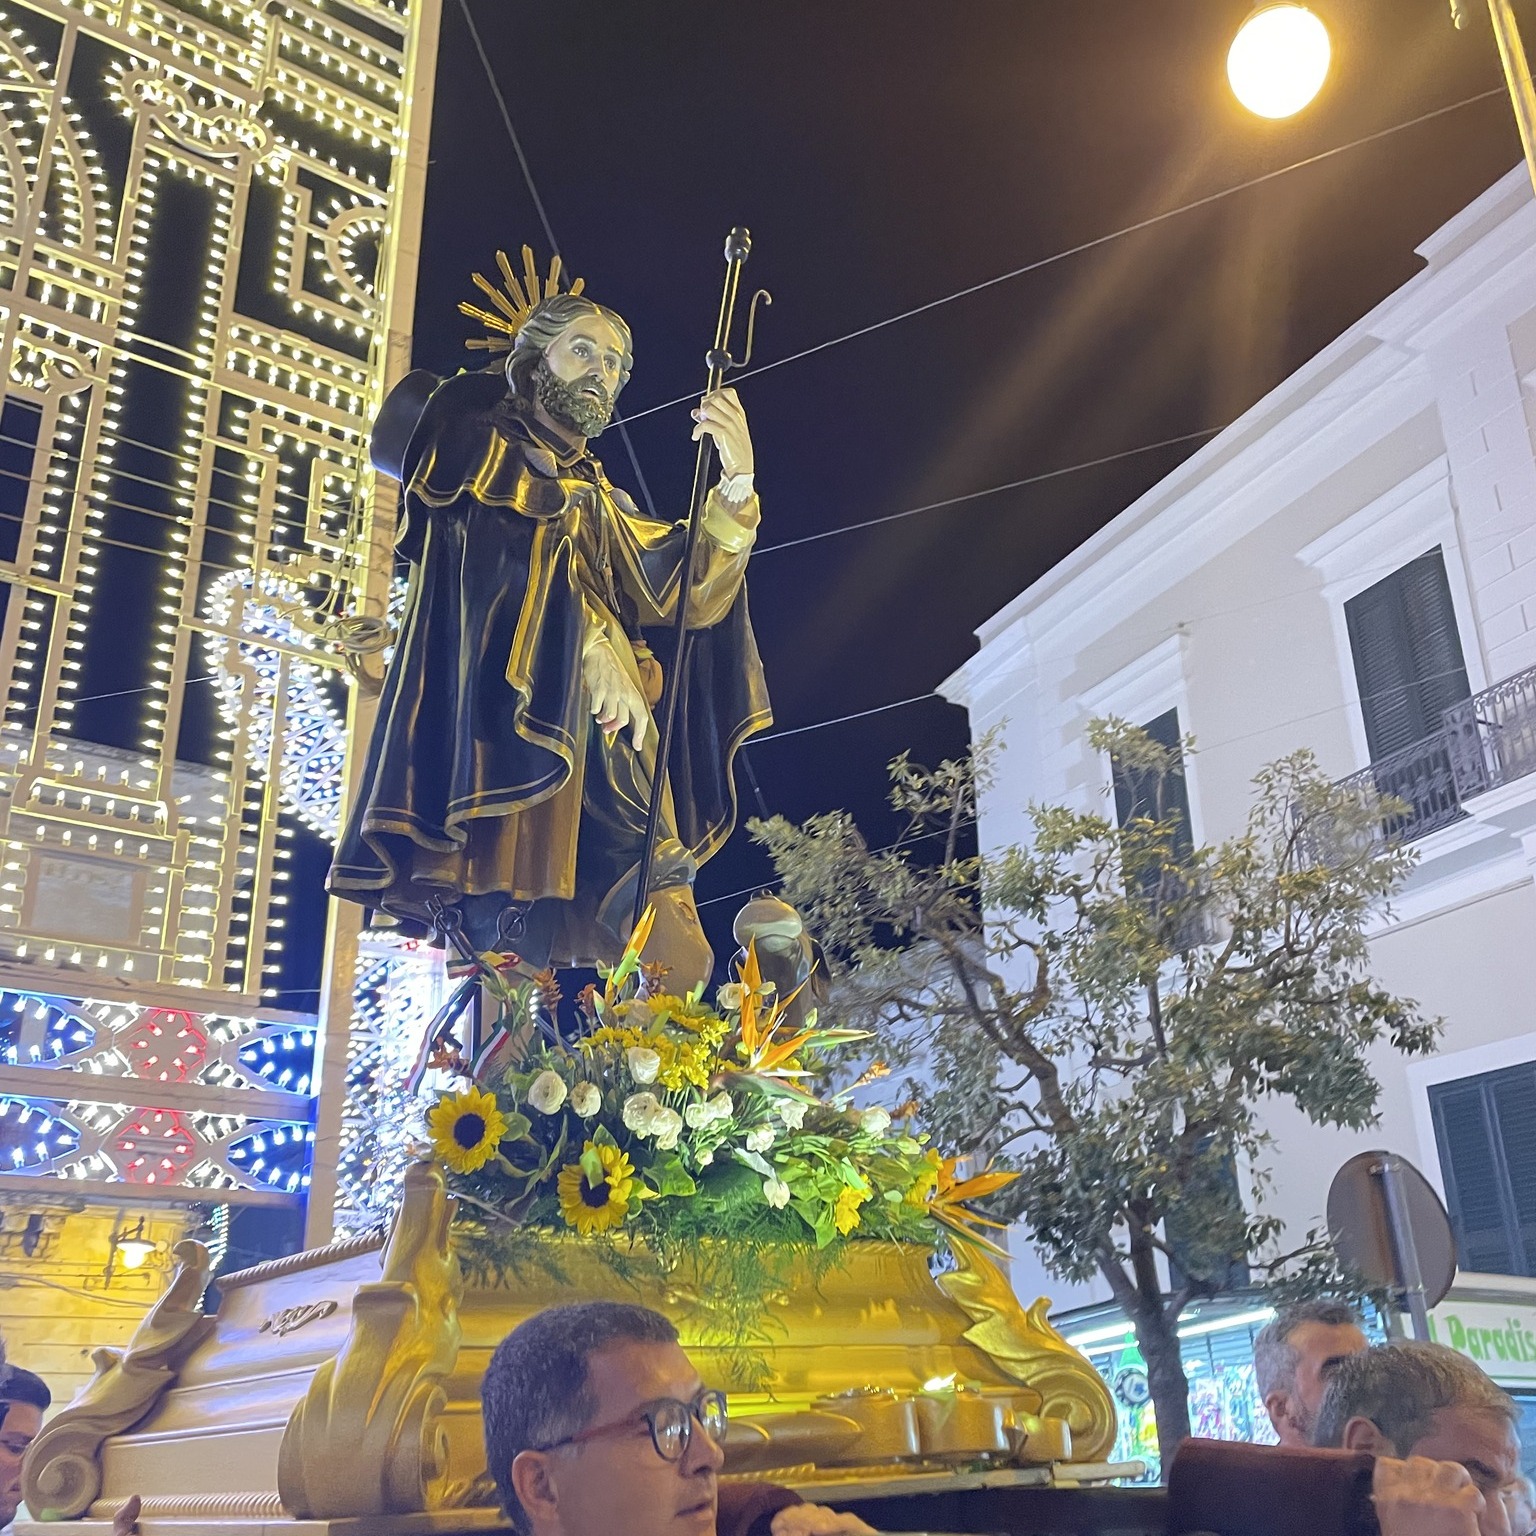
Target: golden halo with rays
(514,300)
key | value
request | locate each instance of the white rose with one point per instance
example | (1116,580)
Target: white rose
(792,1113)
(706,1157)
(666,1126)
(547,1092)
(643,1064)
(760,1138)
(640,1111)
(718,1108)
(728,998)
(710,1111)
(586,1099)
(875,1121)
(776,1193)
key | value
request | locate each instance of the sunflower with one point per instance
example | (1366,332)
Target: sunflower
(466,1128)
(595,1191)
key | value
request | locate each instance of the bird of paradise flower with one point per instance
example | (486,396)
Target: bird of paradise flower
(949,1203)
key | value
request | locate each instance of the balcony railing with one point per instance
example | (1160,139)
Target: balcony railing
(1485,741)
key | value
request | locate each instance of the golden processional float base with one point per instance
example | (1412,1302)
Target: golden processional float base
(338,1390)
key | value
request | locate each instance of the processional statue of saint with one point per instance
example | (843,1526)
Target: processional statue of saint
(505,792)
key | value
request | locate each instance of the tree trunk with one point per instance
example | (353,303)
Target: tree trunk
(1158,1339)
(1140,1294)
(1157,1334)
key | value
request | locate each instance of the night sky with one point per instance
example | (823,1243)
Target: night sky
(885,155)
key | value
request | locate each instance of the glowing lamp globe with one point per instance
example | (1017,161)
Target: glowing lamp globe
(134,1252)
(133,1247)
(1278,60)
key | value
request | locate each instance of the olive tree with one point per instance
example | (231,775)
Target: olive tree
(1107,1008)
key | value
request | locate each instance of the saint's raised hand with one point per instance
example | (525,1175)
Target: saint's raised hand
(720,416)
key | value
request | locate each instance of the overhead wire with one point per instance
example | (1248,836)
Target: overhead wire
(967,291)
(112,503)
(905,841)
(122,693)
(933,693)
(991,490)
(549,228)
(858,714)
(128,506)
(1083,246)
(1486,536)
(1199,747)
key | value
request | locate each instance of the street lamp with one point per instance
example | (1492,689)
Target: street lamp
(1278,60)
(133,1247)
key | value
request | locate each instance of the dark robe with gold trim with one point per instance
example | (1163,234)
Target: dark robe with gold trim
(487,782)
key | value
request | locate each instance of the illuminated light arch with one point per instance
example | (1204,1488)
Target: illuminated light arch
(252,678)
(166,1045)
(259,464)
(85,218)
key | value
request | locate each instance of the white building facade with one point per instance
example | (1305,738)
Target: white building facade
(1350,567)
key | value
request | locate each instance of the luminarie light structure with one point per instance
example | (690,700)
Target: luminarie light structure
(208,217)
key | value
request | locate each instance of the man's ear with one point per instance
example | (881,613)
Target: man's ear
(1278,1406)
(535,1487)
(1360,1434)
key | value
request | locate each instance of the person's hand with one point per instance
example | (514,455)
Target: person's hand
(720,416)
(126,1521)
(1520,1505)
(1420,1497)
(1498,1516)
(617,705)
(817,1520)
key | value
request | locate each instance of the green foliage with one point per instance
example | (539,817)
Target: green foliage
(1115,1025)
(684,1143)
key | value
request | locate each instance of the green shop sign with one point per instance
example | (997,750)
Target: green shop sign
(1502,1339)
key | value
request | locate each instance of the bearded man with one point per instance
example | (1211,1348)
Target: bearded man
(507,781)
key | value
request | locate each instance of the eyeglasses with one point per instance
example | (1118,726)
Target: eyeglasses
(669,1421)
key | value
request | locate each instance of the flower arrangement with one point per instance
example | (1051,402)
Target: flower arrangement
(670,1120)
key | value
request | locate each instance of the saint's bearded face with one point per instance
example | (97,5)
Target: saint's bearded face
(578,379)
(585,407)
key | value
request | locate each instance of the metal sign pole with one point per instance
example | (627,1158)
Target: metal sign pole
(1405,1251)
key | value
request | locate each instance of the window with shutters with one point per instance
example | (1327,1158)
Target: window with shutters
(1140,794)
(1485,1132)
(1407,654)
(1183,1243)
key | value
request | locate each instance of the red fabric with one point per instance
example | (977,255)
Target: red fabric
(747,1509)
(1267,1490)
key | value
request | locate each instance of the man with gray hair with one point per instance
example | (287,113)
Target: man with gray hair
(1293,1358)
(1411,1400)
